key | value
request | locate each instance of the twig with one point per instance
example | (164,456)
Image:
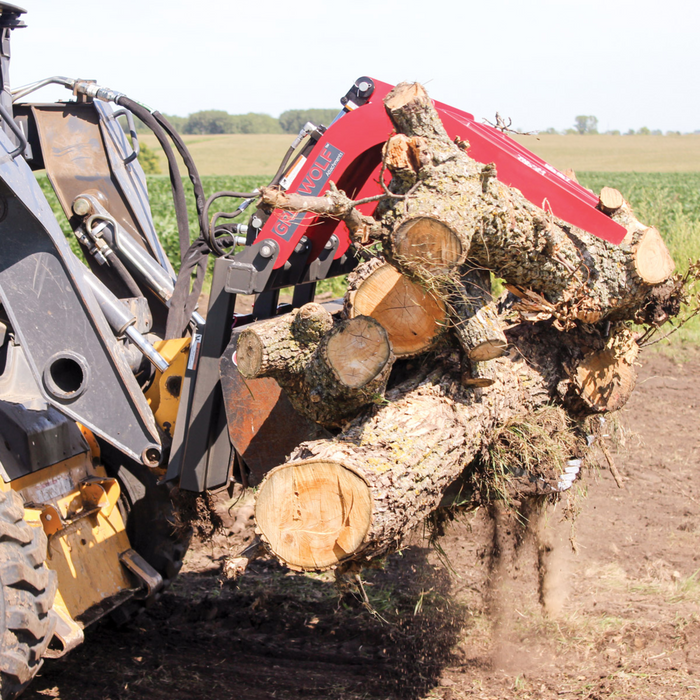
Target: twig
(505,128)
(611,464)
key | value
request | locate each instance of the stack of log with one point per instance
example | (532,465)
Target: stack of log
(423,366)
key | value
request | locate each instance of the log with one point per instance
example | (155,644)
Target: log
(475,319)
(604,381)
(353,498)
(610,200)
(652,261)
(426,246)
(581,275)
(414,318)
(478,374)
(348,370)
(328,370)
(282,346)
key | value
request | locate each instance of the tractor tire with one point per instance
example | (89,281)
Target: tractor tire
(149,514)
(27,590)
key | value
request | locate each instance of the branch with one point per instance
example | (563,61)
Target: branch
(335,204)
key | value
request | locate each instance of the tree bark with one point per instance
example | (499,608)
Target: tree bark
(328,370)
(582,276)
(353,497)
(475,318)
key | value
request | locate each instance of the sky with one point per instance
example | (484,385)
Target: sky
(630,63)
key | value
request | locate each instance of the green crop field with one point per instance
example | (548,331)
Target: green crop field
(253,154)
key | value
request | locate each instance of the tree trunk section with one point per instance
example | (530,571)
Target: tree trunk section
(475,319)
(581,275)
(348,370)
(353,498)
(282,346)
(413,318)
(328,371)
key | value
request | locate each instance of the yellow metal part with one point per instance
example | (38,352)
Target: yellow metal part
(52,482)
(92,443)
(100,492)
(67,631)
(75,503)
(164,394)
(85,556)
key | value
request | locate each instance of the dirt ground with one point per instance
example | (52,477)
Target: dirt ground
(621,617)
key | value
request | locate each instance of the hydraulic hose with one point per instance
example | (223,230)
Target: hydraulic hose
(183,226)
(189,164)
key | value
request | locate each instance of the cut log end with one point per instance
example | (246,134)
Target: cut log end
(652,260)
(359,352)
(427,244)
(478,374)
(412,317)
(610,200)
(313,514)
(604,381)
(249,354)
(403,94)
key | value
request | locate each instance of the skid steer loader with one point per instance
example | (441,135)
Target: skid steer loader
(114,388)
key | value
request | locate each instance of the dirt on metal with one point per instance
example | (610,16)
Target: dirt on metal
(481,619)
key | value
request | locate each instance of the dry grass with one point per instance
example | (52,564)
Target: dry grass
(231,154)
(640,154)
(256,154)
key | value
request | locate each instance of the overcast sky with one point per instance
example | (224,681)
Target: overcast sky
(631,63)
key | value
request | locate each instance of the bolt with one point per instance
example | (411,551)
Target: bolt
(331,242)
(363,86)
(82,206)
(256,222)
(151,456)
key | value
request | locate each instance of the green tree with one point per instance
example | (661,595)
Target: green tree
(149,160)
(586,124)
(177,122)
(209,121)
(293,120)
(253,123)
(644,131)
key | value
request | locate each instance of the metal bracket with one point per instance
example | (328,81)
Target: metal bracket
(150,579)
(98,492)
(68,632)
(250,269)
(318,270)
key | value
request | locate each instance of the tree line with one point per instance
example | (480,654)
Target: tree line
(588,124)
(218,121)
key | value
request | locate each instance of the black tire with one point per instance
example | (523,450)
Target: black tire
(150,515)
(27,593)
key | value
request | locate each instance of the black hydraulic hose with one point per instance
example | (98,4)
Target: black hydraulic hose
(183,225)
(283,166)
(209,232)
(125,275)
(184,301)
(189,164)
